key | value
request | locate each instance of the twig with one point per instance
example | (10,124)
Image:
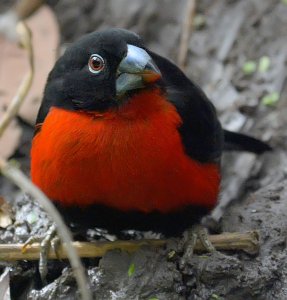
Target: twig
(25,8)
(187,26)
(22,181)
(12,110)
(248,242)
(17,177)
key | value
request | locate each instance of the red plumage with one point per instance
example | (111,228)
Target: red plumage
(130,158)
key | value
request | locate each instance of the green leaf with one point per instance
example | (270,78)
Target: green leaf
(264,64)
(32,218)
(203,256)
(199,21)
(284,2)
(171,254)
(215,297)
(271,99)
(153,298)
(15,163)
(131,269)
(249,67)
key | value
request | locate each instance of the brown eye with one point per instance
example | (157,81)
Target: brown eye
(96,63)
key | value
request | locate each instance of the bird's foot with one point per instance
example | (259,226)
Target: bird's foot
(49,240)
(189,242)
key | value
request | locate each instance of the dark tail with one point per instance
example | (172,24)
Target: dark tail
(241,142)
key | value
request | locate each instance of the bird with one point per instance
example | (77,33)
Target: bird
(125,140)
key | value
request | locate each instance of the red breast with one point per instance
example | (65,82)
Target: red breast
(131,158)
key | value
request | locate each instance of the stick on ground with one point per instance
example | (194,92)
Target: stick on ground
(248,242)
(187,26)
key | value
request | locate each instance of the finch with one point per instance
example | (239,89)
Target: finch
(124,140)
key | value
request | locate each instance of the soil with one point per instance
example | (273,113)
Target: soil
(227,34)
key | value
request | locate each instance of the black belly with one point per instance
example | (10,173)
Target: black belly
(115,221)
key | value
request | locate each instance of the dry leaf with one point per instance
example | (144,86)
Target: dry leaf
(46,39)
(14,66)
(6,214)
(10,139)
(14,62)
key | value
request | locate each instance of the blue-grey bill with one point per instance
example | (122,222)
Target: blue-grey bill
(127,82)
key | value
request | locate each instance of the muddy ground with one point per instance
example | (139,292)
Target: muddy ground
(227,34)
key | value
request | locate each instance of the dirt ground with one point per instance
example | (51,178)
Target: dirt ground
(227,34)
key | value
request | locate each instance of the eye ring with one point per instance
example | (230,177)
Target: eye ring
(96,64)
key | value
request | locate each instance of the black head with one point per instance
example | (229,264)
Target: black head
(99,70)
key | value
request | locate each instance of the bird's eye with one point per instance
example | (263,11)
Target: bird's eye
(96,63)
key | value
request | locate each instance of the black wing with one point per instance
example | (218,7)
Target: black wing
(201,131)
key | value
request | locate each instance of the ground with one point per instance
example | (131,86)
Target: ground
(228,39)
